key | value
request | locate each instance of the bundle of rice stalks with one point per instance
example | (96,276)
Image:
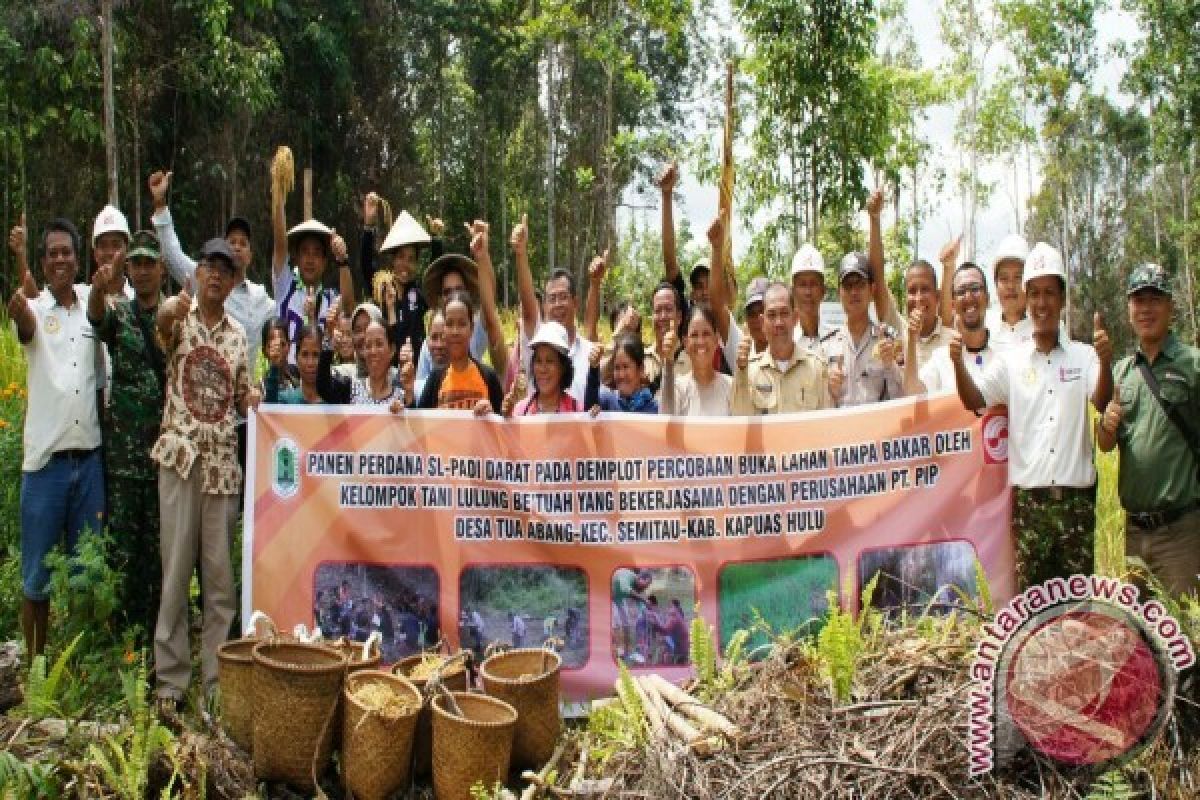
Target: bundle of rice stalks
(283,175)
(384,701)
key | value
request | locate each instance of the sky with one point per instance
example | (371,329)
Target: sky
(995,220)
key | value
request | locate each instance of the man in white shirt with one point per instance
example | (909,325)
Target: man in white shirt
(561,304)
(1009,324)
(249,303)
(62,476)
(969,290)
(1046,384)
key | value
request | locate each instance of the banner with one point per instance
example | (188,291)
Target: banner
(609,535)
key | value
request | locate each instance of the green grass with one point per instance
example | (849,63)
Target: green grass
(1110,518)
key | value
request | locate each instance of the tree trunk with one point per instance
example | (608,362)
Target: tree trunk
(110,128)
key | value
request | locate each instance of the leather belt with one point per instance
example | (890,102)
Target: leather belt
(74,455)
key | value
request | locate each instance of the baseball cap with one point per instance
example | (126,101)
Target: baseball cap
(854,264)
(1149,276)
(808,259)
(238,224)
(1011,248)
(218,248)
(144,245)
(553,334)
(109,220)
(1044,260)
(756,292)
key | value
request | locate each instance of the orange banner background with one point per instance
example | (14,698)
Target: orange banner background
(294,528)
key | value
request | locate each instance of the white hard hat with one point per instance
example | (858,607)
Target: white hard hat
(110,220)
(405,230)
(808,259)
(1011,248)
(1044,260)
(553,334)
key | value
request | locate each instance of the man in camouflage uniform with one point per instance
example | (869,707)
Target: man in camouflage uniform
(127,327)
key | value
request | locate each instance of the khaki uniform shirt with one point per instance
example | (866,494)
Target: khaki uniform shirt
(867,379)
(762,388)
(207,378)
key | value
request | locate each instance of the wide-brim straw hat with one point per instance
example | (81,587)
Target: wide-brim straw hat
(431,284)
(311,227)
(405,230)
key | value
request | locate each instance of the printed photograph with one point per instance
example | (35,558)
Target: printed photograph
(525,606)
(652,610)
(779,596)
(401,603)
(920,577)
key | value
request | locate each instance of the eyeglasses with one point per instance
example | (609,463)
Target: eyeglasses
(558,298)
(970,288)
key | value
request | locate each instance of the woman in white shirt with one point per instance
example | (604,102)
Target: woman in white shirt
(703,392)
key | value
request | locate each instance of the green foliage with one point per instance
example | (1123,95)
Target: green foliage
(83,602)
(1112,785)
(620,725)
(26,780)
(124,759)
(702,652)
(843,639)
(481,792)
(43,690)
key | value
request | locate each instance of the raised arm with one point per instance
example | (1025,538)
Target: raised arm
(668,402)
(497,347)
(279,244)
(718,284)
(180,267)
(341,257)
(18,305)
(968,391)
(885,306)
(519,240)
(912,381)
(949,258)
(591,307)
(1104,381)
(666,183)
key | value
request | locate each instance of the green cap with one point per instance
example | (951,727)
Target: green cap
(144,245)
(1149,276)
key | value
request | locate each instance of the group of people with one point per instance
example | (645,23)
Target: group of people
(406,624)
(137,399)
(645,632)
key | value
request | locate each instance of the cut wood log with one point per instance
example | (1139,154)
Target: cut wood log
(683,702)
(690,735)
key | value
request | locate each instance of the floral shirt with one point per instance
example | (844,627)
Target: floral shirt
(207,379)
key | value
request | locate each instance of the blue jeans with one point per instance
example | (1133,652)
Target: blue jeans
(57,502)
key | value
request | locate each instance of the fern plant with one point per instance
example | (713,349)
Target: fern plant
(125,758)
(1112,786)
(621,725)
(838,646)
(702,652)
(43,690)
(26,780)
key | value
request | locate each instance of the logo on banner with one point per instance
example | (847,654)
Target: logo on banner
(1078,669)
(285,480)
(995,439)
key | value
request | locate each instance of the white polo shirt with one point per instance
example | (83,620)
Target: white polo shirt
(1003,335)
(938,373)
(62,365)
(1049,441)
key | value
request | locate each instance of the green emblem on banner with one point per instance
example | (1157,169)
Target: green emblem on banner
(286,468)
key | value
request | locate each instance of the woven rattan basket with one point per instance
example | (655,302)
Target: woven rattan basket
(297,691)
(474,748)
(454,679)
(528,681)
(377,745)
(235,674)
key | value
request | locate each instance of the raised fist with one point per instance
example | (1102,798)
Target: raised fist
(17,238)
(716,233)
(955,346)
(435,225)
(159,184)
(670,345)
(598,266)
(667,179)
(949,251)
(1113,414)
(1100,340)
(743,352)
(519,240)
(337,246)
(875,203)
(370,208)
